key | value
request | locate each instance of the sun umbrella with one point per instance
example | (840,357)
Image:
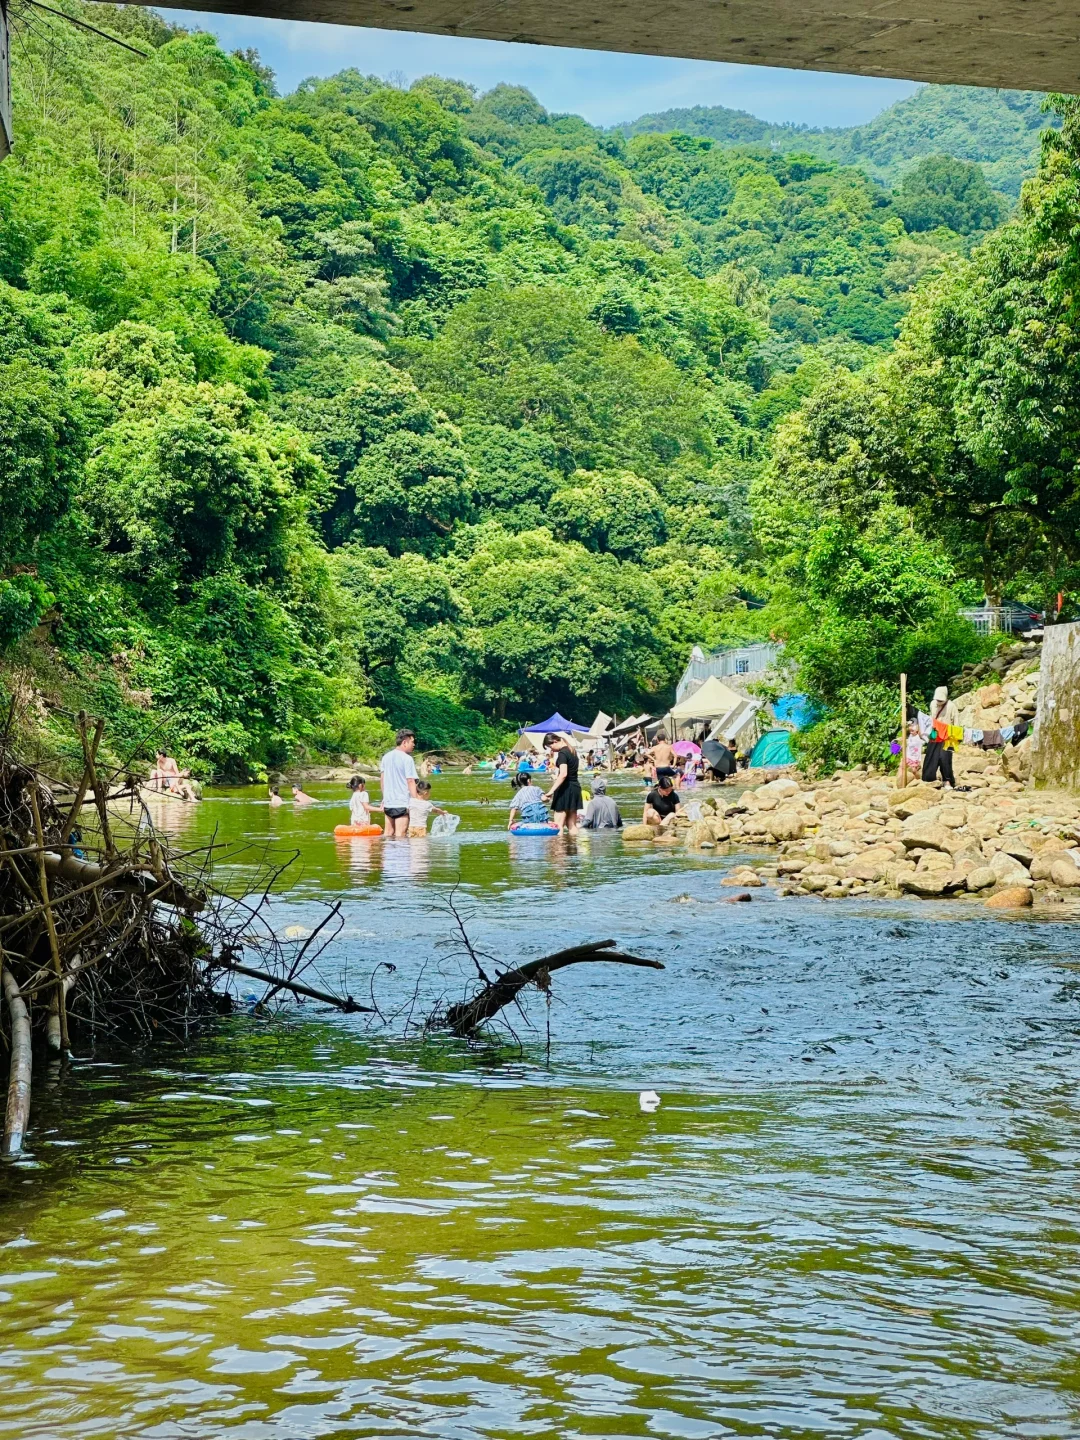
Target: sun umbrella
(686,747)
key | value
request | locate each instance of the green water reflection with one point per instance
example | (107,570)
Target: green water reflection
(854,1213)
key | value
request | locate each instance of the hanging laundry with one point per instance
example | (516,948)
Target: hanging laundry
(1007,732)
(923,722)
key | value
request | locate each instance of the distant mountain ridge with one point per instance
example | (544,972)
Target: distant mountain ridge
(997,128)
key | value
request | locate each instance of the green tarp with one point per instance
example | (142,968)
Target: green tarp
(774,748)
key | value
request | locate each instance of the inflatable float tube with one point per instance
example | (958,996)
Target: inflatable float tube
(534,830)
(353,832)
(501,775)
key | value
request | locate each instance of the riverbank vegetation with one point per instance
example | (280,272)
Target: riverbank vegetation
(361,406)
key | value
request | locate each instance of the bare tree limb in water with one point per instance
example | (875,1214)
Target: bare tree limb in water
(467,1017)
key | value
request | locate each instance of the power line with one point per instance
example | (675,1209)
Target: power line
(84,25)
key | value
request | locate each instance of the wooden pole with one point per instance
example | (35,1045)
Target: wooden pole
(903,731)
(84,783)
(90,757)
(57,1026)
(17,1114)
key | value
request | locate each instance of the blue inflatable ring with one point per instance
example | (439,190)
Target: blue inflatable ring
(534,830)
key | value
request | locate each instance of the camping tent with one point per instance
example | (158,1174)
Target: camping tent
(735,722)
(633,722)
(556,725)
(774,748)
(710,702)
(600,725)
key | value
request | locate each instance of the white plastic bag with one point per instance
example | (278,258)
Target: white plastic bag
(445,824)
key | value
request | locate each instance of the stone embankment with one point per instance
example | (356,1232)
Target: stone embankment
(994,841)
(859,834)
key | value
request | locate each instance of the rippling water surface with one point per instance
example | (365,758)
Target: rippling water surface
(854,1214)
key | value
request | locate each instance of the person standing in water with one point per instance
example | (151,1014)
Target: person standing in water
(399,777)
(661,758)
(565,796)
(299,798)
(360,806)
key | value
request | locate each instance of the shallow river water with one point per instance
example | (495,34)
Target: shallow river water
(855,1212)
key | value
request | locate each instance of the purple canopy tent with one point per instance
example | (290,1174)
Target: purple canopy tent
(557,724)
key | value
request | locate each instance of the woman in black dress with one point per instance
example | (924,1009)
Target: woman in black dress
(565,796)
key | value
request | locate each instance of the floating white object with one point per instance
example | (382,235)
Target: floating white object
(445,824)
(649,1101)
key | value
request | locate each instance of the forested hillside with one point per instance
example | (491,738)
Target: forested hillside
(364,405)
(999,129)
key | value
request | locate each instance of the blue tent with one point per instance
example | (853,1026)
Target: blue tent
(556,723)
(798,711)
(774,748)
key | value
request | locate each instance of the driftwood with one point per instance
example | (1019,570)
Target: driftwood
(17,1114)
(276,982)
(124,940)
(467,1017)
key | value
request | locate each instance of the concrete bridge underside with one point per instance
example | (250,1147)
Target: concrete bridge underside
(1016,44)
(1021,44)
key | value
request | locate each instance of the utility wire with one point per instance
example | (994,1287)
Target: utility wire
(84,25)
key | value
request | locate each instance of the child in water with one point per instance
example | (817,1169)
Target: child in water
(420,808)
(360,806)
(527,804)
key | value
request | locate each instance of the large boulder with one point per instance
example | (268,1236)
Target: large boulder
(905,803)
(638,832)
(1009,871)
(951,816)
(786,825)
(783,789)
(981,878)
(922,831)
(935,882)
(1018,849)
(1013,897)
(1065,872)
(1016,761)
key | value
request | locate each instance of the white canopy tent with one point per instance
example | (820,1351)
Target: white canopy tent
(712,701)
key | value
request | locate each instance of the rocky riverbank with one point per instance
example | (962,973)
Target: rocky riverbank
(994,841)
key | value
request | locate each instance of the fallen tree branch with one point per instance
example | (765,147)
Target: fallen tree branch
(466,1017)
(17,1113)
(348,1004)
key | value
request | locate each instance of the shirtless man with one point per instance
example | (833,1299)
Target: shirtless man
(661,757)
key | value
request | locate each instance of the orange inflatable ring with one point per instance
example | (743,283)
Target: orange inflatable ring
(352,832)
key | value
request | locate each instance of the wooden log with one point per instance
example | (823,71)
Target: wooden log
(89,756)
(84,786)
(135,882)
(57,1026)
(348,1004)
(17,1113)
(463,1019)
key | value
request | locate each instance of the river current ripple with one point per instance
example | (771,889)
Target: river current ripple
(854,1213)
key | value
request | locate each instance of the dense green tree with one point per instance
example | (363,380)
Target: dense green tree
(615,513)
(941,191)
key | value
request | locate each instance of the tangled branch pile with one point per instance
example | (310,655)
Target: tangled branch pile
(106,931)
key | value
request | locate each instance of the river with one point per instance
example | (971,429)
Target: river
(854,1214)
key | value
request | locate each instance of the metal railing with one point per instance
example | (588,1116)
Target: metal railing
(741,663)
(1001,619)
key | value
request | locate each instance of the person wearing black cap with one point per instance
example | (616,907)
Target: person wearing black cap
(661,804)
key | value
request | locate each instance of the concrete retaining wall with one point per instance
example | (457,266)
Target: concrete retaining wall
(1055,750)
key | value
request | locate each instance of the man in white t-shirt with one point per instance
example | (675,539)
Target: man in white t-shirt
(398,772)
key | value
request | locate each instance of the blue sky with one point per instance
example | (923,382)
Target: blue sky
(604,87)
